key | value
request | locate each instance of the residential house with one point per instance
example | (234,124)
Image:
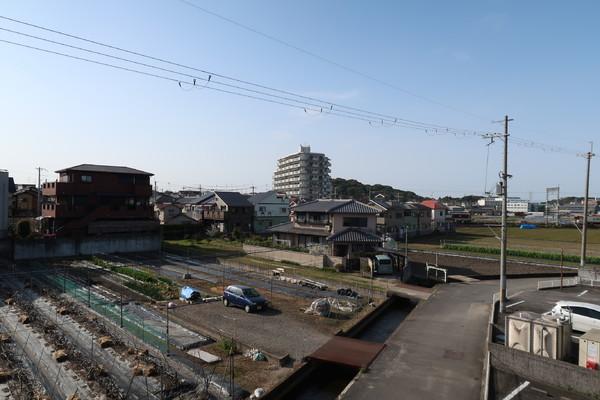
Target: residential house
(223,211)
(23,205)
(270,208)
(395,218)
(165,212)
(439,213)
(334,227)
(92,199)
(458,215)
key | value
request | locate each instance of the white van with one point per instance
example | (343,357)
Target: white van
(584,316)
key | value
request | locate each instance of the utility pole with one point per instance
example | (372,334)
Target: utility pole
(39,193)
(588,156)
(503,235)
(504,232)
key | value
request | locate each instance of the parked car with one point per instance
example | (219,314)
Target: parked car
(583,316)
(243,296)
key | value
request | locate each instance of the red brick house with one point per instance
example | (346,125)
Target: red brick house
(98,199)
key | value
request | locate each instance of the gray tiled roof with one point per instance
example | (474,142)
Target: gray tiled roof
(290,227)
(336,206)
(234,199)
(105,168)
(261,197)
(354,235)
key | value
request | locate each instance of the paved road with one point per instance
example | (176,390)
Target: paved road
(437,352)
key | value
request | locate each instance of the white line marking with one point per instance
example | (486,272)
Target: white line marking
(582,293)
(514,304)
(515,392)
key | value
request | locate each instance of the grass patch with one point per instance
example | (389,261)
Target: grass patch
(227,345)
(519,253)
(147,283)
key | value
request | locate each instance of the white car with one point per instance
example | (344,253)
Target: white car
(583,316)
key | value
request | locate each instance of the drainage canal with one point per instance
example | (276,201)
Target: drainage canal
(325,380)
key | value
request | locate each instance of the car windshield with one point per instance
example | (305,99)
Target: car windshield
(250,292)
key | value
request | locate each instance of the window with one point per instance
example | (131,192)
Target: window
(262,209)
(398,215)
(359,222)
(284,210)
(407,213)
(86,178)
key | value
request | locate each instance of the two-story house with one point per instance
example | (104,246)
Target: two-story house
(98,199)
(270,208)
(221,211)
(341,227)
(439,214)
(396,218)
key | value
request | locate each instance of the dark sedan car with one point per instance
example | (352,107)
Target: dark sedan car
(243,296)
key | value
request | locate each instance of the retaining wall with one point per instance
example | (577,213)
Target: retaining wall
(554,373)
(67,247)
(293,256)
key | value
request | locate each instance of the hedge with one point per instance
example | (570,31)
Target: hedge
(519,253)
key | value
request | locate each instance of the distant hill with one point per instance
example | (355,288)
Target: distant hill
(351,188)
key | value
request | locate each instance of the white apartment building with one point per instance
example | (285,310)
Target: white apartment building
(304,175)
(4,201)
(513,205)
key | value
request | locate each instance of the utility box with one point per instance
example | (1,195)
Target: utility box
(537,334)
(589,349)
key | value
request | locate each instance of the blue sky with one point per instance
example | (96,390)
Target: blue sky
(536,61)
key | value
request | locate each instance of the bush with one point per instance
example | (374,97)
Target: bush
(136,274)
(150,290)
(228,345)
(519,253)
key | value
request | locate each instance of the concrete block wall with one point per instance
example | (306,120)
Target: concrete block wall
(554,373)
(66,247)
(293,256)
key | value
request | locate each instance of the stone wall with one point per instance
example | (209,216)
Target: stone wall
(67,247)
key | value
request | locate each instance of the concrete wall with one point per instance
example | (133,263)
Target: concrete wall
(66,247)
(554,373)
(293,256)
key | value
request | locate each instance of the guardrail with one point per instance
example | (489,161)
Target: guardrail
(554,283)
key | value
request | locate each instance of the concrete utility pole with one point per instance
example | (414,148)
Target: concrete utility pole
(39,193)
(503,235)
(504,232)
(588,156)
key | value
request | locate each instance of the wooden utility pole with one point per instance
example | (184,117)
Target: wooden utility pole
(588,156)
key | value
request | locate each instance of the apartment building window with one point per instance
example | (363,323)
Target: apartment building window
(407,213)
(357,222)
(86,178)
(283,210)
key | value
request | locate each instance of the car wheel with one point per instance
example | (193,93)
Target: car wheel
(226,302)
(247,309)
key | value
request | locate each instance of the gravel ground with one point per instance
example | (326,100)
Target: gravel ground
(270,330)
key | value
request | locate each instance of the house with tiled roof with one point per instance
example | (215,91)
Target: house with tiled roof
(335,227)
(438,213)
(220,211)
(396,219)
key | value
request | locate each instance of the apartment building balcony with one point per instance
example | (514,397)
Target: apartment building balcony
(54,189)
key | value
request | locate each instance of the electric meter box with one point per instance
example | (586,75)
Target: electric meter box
(589,349)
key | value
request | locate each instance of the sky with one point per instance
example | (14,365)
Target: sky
(461,64)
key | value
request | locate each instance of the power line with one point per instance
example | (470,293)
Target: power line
(297,101)
(377,117)
(328,61)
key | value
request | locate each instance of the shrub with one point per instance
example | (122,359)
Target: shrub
(228,345)
(150,290)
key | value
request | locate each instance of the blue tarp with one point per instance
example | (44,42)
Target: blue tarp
(528,226)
